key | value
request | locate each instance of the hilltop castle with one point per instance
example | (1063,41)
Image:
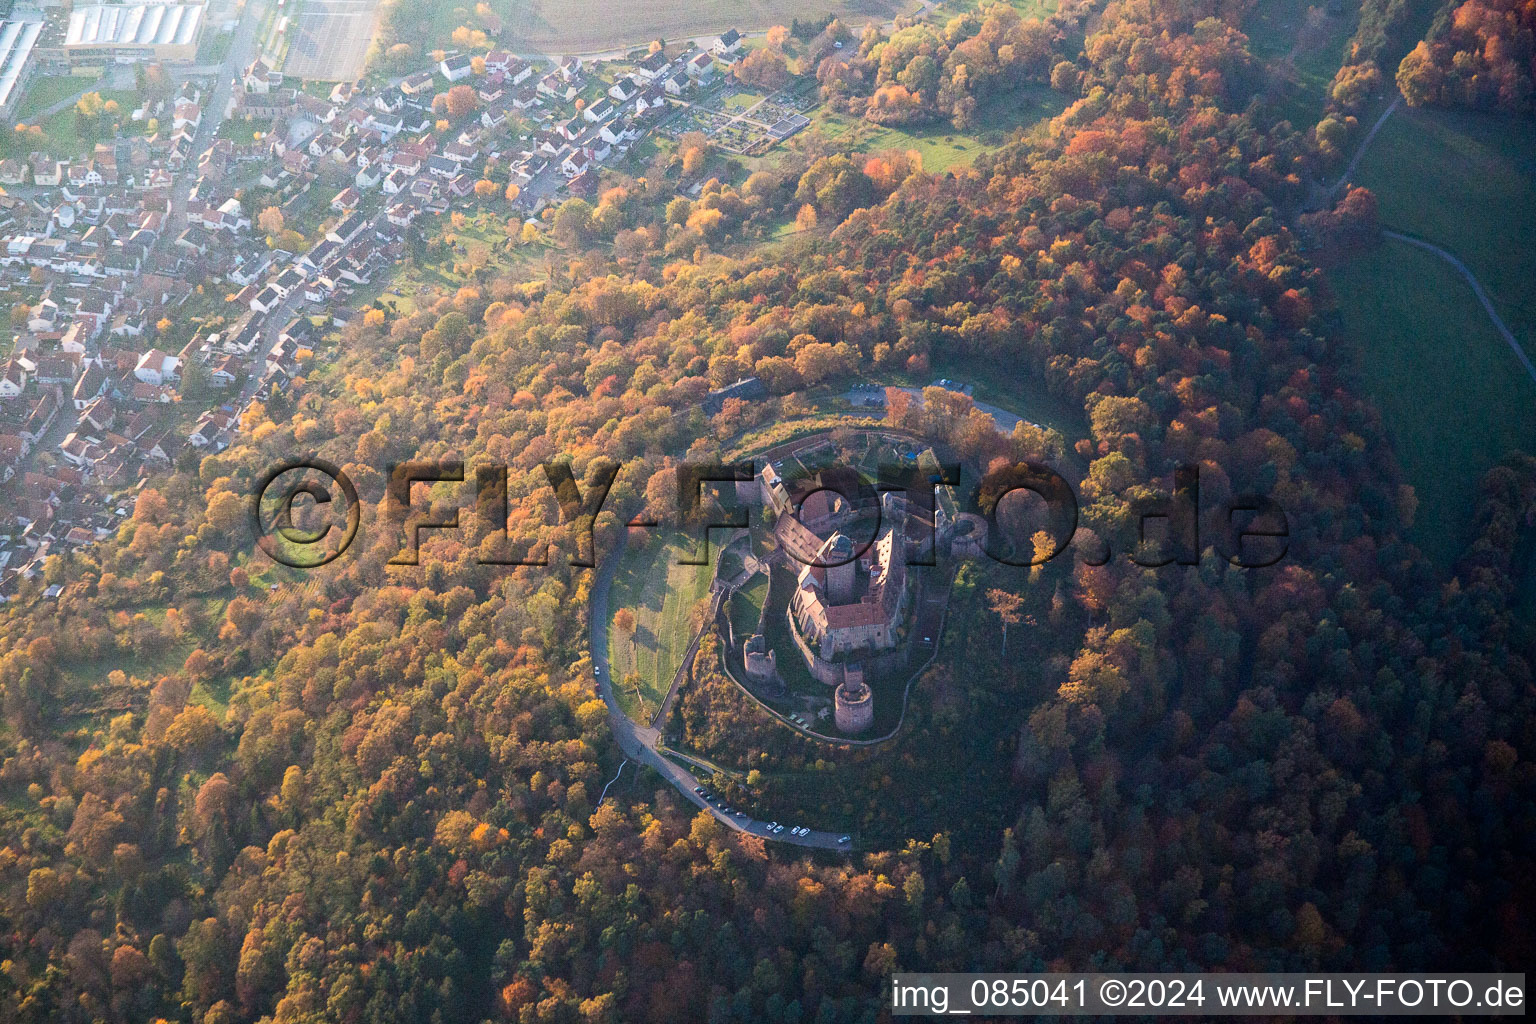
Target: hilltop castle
(846,603)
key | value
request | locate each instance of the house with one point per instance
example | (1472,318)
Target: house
(653,66)
(13,381)
(405,160)
(387,125)
(416,84)
(47,172)
(456,68)
(225,372)
(98,416)
(93,383)
(396,182)
(519,71)
(13,172)
(619,132)
(624,90)
(599,111)
(347,228)
(368,176)
(575,163)
(156,368)
(186,115)
(728,41)
(347,199)
(55,370)
(259,79)
(286,282)
(266,300)
(701,67)
(652,98)
(551,85)
(401,215)
(748,389)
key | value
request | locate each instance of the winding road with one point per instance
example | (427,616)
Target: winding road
(1477,289)
(1429,247)
(639,742)
(1365,144)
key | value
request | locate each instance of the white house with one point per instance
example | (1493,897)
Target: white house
(155,367)
(702,67)
(457,67)
(13,381)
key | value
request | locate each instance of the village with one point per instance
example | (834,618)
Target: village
(151,305)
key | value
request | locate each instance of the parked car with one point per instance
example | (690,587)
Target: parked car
(844,840)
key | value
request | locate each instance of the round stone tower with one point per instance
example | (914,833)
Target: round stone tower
(853,707)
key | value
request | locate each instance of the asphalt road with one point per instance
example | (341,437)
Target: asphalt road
(242,50)
(1477,289)
(639,742)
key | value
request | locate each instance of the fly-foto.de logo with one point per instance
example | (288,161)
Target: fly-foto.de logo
(1022,514)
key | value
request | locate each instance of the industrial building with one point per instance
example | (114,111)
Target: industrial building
(126,33)
(18,40)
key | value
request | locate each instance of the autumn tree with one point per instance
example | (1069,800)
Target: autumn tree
(1008,607)
(764,69)
(461,101)
(271,221)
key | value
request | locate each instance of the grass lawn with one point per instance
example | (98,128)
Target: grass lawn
(1465,181)
(941,145)
(46,90)
(1451,392)
(747,606)
(661,593)
(741,102)
(1278,29)
(63,128)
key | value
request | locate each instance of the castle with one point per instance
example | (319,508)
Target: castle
(846,603)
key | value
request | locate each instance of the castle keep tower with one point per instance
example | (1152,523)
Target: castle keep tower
(853,705)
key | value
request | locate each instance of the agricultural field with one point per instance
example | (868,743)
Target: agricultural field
(1452,393)
(575,26)
(329,39)
(660,593)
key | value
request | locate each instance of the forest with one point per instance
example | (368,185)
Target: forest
(236,793)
